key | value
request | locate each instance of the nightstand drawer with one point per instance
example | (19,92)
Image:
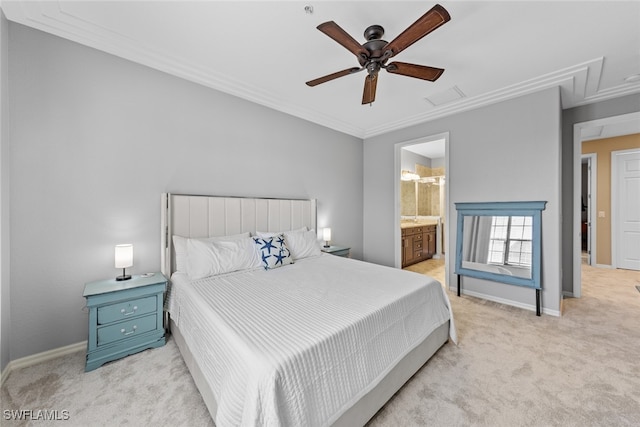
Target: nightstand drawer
(131,328)
(126,309)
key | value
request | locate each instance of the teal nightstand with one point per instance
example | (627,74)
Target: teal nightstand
(125,317)
(337,250)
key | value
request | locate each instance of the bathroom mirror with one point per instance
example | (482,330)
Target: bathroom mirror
(421,196)
(500,241)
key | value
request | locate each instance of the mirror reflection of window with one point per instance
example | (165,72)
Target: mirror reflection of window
(511,240)
(500,243)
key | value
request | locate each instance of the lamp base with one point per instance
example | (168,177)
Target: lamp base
(123,277)
(326,245)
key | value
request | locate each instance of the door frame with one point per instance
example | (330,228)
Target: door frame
(396,194)
(615,203)
(577,182)
(592,177)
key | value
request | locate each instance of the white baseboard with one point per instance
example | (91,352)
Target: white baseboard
(604,266)
(23,362)
(530,307)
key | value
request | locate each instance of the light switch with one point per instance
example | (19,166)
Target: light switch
(600,214)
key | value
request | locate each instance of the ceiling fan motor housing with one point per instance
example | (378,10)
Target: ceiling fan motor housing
(373,32)
(374,46)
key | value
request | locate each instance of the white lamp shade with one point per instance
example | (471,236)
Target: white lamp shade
(326,234)
(124,256)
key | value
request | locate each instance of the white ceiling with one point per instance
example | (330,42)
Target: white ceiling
(265,51)
(430,150)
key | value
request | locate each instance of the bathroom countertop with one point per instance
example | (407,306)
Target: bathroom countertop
(411,223)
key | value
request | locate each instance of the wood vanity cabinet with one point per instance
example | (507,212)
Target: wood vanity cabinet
(418,244)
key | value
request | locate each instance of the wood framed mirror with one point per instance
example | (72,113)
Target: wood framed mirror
(500,241)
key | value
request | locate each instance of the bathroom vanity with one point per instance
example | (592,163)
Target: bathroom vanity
(418,241)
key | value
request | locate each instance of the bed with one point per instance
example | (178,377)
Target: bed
(311,339)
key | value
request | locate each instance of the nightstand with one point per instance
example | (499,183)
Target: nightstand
(125,317)
(337,250)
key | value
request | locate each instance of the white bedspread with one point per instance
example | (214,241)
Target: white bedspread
(299,345)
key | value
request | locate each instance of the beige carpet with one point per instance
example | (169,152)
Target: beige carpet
(510,368)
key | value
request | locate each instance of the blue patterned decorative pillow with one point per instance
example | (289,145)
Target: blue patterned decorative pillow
(273,251)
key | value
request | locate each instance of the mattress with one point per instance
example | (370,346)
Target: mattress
(299,345)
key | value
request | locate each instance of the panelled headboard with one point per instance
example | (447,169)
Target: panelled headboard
(209,216)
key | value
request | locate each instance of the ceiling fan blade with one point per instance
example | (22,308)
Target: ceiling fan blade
(369,93)
(418,71)
(336,32)
(431,20)
(332,76)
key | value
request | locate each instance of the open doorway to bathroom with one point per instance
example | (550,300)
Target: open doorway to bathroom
(422,205)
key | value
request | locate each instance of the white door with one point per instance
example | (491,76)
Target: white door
(626,168)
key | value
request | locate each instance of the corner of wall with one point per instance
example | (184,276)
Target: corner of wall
(5,312)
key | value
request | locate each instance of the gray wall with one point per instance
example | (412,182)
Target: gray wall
(5,309)
(610,108)
(504,152)
(408,160)
(94,141)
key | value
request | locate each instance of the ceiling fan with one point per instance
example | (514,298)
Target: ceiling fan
(374,54)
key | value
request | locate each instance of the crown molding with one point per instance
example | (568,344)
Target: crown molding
(579,84)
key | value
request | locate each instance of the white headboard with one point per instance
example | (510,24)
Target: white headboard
(208,216)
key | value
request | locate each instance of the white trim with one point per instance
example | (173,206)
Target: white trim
(604,266)
(577,182)
(396,194)
(528,307)
(592,230)
(45,356)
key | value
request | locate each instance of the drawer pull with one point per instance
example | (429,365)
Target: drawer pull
(132,331)
(124,312)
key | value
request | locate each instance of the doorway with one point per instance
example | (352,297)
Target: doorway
(581,131)
(428,156)
(588,209)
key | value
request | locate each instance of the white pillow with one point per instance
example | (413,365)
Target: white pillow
(180,247)
(237,254)
(202,259)
(209,258)
(303,244)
